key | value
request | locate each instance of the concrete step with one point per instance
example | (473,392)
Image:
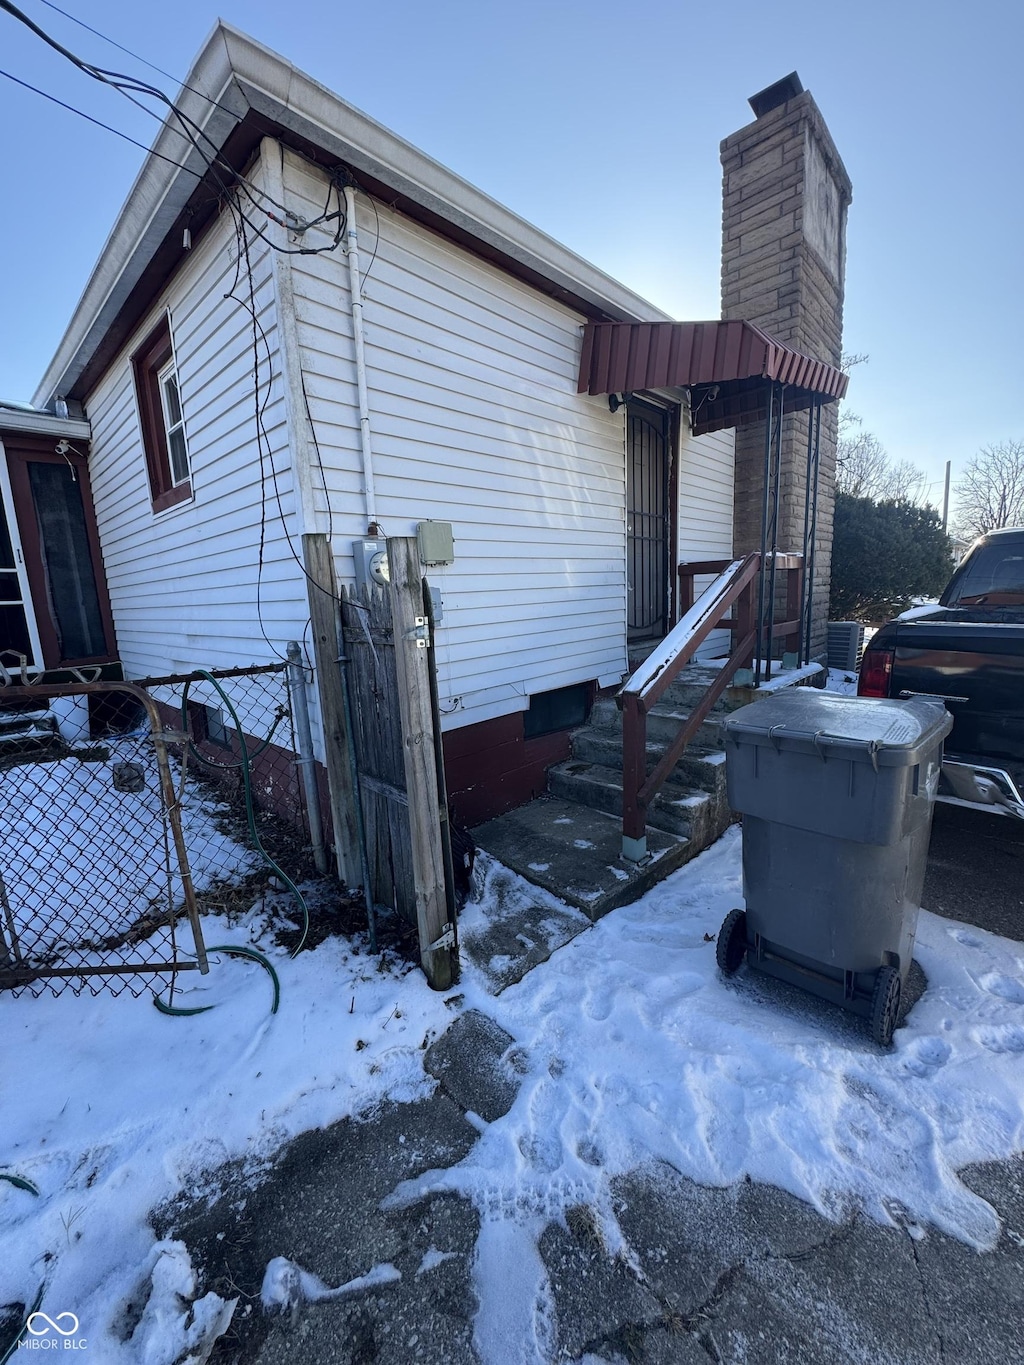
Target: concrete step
(675,809)
(664,721)
(698,767)
(575,853)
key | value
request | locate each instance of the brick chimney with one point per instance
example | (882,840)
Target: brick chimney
(785,200)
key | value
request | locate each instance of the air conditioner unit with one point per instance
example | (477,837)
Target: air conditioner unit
(845,645)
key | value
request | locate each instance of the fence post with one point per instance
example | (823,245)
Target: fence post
(413,665)
(323,593)
(306,762)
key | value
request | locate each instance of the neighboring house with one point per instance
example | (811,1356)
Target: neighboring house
(577,463)
(54,610)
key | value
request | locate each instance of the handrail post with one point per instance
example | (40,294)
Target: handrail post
(794,602)
(745,618)
(686,588)
(634,771)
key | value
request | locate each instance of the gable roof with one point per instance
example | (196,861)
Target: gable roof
(238,92)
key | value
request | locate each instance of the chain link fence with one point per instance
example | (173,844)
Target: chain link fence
(129,811)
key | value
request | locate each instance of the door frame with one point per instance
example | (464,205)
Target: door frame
(21,451)
(24,586)
(671,411)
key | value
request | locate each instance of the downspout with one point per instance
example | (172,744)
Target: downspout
(352,250)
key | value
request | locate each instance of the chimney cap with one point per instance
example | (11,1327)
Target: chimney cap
(773,95)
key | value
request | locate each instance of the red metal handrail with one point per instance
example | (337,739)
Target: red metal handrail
(733,586)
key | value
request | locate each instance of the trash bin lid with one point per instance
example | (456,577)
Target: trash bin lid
(882,731)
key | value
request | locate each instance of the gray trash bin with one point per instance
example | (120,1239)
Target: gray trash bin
(837,795)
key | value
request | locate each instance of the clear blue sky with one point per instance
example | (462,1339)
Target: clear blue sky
(600,122)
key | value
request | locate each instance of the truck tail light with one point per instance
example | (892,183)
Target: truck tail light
(876,673)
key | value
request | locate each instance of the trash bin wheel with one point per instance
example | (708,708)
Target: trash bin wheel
(885,1005)
(731,948)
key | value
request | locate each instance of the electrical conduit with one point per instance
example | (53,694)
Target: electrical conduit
(352,249)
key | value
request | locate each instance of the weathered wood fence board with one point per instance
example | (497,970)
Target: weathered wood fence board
(391,686)
(376,717)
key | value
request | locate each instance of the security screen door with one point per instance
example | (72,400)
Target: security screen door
(647,520)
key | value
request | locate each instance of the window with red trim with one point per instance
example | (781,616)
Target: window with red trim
(162,419)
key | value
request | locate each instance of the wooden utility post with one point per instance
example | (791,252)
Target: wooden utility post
(413,663)
(323,596)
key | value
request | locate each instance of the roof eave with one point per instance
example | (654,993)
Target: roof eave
(241,74)
(43,424)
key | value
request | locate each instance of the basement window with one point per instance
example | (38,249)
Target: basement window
(162,419)
(217,731)
(561,709)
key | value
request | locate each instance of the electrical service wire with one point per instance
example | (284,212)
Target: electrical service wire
(137,56)
(105,126)
(193,133)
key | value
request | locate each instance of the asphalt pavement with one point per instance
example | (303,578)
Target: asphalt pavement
(976,869)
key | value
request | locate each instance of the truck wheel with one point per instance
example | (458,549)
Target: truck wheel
(731,948)
(885,1005)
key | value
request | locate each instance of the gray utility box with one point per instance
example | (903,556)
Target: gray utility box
(837,795)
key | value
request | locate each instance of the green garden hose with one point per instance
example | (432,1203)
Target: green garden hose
(232,950)
(19,1182)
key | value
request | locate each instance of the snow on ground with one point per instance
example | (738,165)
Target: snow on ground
(111,1108)
(638,1050)
(841,680)
(71,839)
(631,1047)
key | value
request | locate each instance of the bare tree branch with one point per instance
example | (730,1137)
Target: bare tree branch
(865,469)
(990,493)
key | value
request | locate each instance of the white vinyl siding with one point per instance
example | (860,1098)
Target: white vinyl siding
(183,582)
(705,528)
(475,420)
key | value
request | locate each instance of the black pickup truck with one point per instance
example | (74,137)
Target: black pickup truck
(969,652)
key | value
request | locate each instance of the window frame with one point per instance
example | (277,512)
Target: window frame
(152,363)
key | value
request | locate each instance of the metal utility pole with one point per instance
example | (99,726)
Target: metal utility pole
(945,496)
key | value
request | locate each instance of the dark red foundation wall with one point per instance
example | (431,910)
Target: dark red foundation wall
(491,768)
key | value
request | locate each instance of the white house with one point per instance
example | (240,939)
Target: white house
(214,356)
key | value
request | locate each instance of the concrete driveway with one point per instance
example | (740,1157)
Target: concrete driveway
(976,870)
(744,1273)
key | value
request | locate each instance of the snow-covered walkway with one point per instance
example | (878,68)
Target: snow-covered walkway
(629,1048)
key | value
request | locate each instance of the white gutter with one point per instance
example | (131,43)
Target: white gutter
(44,424)
(357,332)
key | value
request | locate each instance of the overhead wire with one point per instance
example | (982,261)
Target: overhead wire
(193,133)
(131,88)
(98,122)
(136,55)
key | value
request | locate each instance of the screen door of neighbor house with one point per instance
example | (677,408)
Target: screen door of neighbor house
(647,520)
(17,627)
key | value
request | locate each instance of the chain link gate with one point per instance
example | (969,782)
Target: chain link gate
(93,858)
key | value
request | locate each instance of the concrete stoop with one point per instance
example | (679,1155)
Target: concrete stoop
(569,841)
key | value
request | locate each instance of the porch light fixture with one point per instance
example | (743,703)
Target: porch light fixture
(618,400)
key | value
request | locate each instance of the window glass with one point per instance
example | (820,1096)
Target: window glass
(992,576)
(162,419)
(172,399)
(177,451)
(178,455)
(14,629)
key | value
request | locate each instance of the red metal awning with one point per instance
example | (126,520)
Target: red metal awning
(737,358)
